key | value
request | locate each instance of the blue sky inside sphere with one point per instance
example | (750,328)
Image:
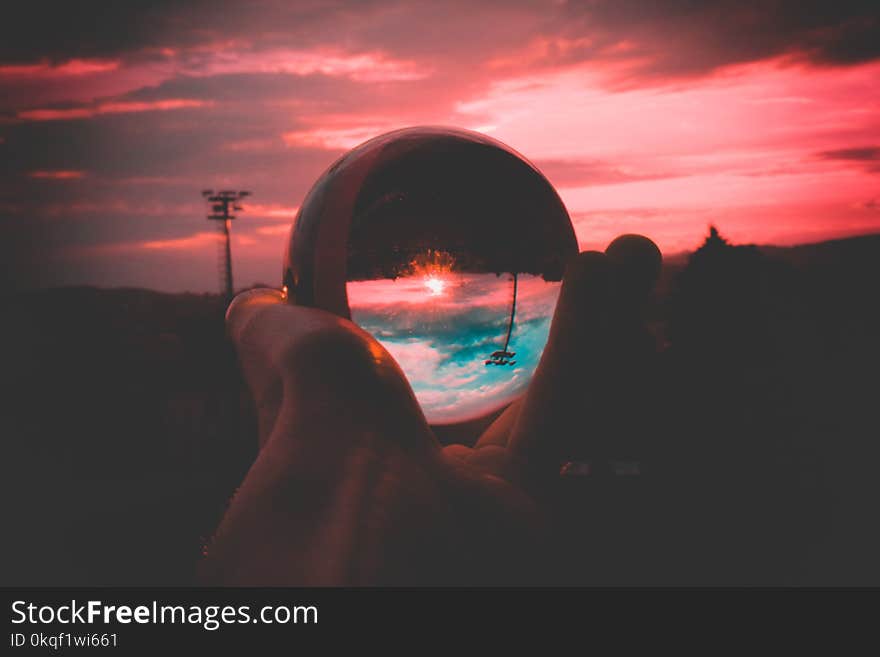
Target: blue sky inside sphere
(441,328)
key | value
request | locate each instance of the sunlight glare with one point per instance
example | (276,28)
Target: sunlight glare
(435,285)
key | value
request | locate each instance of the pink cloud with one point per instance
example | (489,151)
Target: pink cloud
(59,174)
(191,242)
(543,50)
(372,66)
(111,107)
(250,145)
(71,68)
(338,138)
(270,210)
(277,229)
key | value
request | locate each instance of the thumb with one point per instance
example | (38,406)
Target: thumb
(312,373)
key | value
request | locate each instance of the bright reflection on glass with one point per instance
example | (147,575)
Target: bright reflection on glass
(443,330)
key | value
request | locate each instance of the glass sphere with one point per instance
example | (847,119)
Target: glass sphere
(448,247)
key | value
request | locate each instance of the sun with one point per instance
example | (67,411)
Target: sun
(435,285)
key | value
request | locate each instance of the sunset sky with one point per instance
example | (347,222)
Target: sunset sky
(653,117)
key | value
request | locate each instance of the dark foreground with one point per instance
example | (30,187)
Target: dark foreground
(125,428)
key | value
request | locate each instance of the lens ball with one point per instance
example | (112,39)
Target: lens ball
(448,247)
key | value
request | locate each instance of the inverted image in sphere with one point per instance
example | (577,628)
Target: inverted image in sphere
(449,248)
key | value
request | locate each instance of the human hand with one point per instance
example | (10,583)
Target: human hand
(350,485)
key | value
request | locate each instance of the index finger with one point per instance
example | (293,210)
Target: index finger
(592,379)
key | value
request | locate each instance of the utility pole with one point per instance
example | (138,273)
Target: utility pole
(221,202)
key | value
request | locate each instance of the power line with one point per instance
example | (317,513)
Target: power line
(221,203)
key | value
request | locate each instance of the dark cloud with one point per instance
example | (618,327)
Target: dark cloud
(103,28)
(117,144)
(858,154)
(684,37)
(238,87)
(680,37)
(139,28)
(867,157)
